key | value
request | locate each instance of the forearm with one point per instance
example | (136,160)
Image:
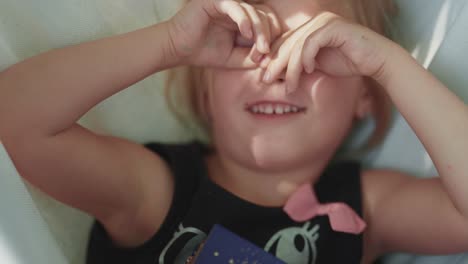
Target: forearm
(438,117)
(50,92)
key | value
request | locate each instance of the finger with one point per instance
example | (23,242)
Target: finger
(312,45)
(279,60)
(294,69)
(256,55)
(238,14)
(265,62)
(275,30)
(273,52)
(279,42)
(258,27)
(275,25)
(319,35)
(277,45)
(266,26)
(277,64)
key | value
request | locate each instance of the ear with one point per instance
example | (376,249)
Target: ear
(365,104)
(205,98)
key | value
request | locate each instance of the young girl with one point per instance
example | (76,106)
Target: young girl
(279,85)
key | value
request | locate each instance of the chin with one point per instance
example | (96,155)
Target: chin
(278,155)
(272,152)
(272,164)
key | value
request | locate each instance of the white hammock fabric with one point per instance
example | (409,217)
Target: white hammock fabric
(37,229)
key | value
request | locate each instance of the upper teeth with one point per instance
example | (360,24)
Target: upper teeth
(270,109)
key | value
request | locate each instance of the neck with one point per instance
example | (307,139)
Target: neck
(258,186)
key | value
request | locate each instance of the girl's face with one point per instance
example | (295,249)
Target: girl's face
(257,125)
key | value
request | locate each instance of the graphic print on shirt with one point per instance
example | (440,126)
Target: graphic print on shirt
(295,244)
(182,245)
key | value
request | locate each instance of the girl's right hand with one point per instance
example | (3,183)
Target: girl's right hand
(223,33)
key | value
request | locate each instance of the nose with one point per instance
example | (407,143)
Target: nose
(277,86)
(280,78)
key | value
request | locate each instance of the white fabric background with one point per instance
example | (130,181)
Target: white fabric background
(37,229)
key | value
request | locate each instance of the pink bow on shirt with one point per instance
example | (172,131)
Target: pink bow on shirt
(303,205)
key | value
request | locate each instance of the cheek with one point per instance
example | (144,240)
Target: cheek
(331,95)
(223,96)
(224,93)
(219,108)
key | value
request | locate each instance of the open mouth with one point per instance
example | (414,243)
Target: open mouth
(274,109)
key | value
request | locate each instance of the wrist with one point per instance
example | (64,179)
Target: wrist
(172,56)
(396,56)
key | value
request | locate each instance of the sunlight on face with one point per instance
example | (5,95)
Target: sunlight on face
(290,141)
(295,13)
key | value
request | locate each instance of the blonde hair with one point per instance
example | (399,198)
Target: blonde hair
(376,15)
(186,97)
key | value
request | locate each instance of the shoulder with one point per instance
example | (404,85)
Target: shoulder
(377,187)
(164,197)
(378,184)
(405,213)
(156,174)
(185,162)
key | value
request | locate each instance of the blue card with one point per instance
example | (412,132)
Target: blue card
(224,247)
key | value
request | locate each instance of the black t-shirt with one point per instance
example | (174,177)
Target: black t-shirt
(199,203)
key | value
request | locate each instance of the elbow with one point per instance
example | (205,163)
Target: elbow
(8,131)
(12,125)
(7,121)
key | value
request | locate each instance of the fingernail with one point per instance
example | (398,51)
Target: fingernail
(267,76)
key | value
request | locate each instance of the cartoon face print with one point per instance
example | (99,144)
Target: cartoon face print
(182,245)
(295,244)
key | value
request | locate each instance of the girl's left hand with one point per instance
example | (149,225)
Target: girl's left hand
(330,44)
